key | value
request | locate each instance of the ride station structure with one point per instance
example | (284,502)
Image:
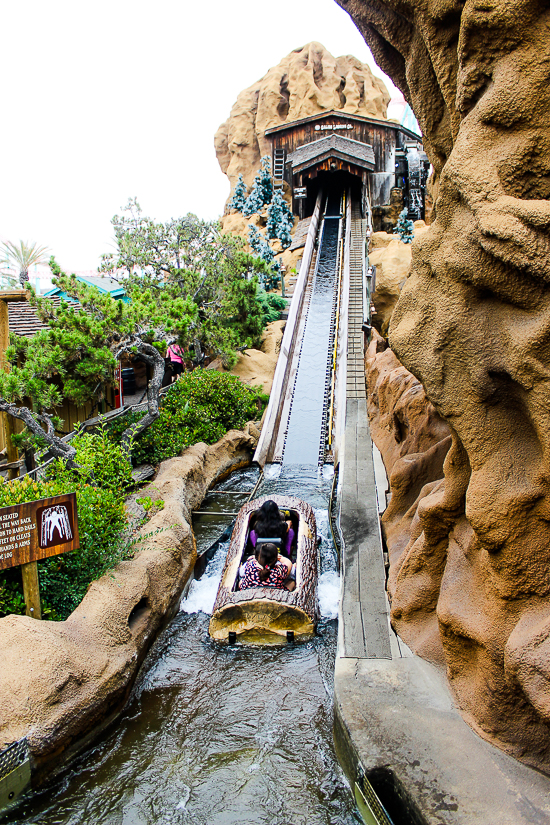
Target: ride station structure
(374,157)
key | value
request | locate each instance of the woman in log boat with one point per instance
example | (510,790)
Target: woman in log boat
(270,523)
(267,568)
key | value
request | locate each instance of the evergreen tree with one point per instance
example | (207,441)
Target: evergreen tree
(279,220)
(259,244)
(262,189)
(271,276)
(404,228)
(238,200)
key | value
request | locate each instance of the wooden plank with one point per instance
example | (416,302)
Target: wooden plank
(364,603)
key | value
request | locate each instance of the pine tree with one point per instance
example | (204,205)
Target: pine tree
(238,200)
(262,189)
(404,228)
(259,245)
(279,220)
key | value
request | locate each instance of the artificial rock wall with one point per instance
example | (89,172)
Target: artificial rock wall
(473,325)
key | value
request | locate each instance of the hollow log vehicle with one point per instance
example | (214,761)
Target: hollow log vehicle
(267,615)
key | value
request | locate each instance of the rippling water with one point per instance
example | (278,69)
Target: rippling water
(216,735)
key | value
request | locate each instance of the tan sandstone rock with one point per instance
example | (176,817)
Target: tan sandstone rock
(392,259)
(306,82)
(61,682)
(258,366)
(472,323)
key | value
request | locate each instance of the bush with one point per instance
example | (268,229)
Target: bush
(101,463)
(201,406)
(271,305)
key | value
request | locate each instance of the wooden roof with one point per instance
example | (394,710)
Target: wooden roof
(353,151)
(24,319)
(389,124)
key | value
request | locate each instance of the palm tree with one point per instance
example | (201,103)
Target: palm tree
(24,255)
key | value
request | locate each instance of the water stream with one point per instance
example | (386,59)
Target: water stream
(219,735)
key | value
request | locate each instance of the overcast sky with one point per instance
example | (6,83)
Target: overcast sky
(114,99)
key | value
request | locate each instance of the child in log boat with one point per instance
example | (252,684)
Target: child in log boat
(267,568)
(271,524)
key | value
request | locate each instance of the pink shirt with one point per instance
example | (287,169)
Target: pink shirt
(175,353)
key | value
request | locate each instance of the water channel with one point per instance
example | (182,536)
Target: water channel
(219,735)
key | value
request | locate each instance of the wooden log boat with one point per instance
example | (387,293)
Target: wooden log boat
(265,615)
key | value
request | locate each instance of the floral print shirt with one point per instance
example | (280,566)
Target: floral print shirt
(251,575)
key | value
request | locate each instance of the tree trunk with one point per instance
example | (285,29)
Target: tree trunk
(151,356)
(34,422)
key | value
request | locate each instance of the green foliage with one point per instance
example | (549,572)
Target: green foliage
(100,462)
(262,189)
(200,406)
(64,579)
(405,228)
(272,305)
(195,272)
(279,220)
(259,244)
(238,199)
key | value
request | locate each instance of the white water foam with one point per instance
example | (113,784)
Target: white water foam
(202,592)
(329,594)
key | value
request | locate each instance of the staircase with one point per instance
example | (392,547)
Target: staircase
(356,365)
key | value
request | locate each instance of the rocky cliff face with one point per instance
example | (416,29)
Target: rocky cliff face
(306,82)
(473,324)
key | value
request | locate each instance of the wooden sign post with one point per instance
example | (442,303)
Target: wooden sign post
(33,531)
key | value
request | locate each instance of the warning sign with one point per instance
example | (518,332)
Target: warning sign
(38,529)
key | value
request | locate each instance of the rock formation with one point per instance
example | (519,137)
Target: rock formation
(61,682)
(306,82)
(473,325)
(392,259)
(257,366)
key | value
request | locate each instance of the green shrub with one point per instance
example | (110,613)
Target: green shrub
(200,406)
(271,304)
(100,462)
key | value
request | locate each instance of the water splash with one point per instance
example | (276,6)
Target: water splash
(202,592)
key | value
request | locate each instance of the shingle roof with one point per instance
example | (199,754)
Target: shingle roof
(362,154)
(24,319)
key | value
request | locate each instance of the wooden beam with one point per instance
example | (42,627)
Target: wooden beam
(14,295)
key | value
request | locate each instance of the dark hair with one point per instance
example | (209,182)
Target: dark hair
(266,555)
(269,523)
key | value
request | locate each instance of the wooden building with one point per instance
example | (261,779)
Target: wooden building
(373,156)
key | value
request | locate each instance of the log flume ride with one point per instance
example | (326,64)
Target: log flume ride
(266,615)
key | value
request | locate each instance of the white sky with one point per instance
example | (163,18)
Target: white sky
(114,99)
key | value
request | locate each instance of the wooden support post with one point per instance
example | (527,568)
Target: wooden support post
(31,589)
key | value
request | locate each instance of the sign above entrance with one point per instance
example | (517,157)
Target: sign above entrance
(300,192)
(329,127)
(38,529)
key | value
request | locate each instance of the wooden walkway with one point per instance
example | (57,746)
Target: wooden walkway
(364,626)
